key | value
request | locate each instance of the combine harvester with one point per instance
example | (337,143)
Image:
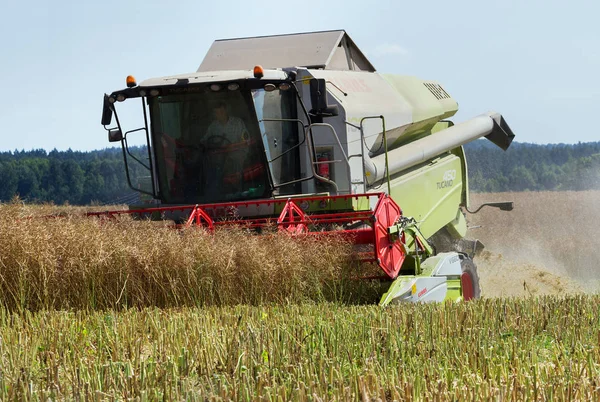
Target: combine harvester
(301,131)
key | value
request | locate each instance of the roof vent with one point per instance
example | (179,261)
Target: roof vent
(436,90)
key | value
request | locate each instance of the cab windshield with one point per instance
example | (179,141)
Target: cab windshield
(214,147)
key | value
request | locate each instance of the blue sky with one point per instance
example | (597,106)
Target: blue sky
(536,62)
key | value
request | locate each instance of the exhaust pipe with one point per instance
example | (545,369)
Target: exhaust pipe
(490,125)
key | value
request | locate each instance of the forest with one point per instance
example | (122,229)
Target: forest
(531,167)
(81,178)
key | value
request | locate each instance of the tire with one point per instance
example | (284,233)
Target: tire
(469,279)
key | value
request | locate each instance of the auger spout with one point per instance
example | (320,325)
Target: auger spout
(490,125)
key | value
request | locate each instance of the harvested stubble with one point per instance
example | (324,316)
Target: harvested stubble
(549,241)
(518,349)
(78,262)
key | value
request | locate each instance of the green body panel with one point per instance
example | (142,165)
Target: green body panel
(401,285)
(432,194)
(458,227)
(361,204)
(454,290)
(426,110)
(460,152)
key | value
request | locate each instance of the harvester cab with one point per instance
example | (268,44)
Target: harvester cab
(302,131)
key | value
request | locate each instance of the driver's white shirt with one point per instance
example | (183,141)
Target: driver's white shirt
(233,130)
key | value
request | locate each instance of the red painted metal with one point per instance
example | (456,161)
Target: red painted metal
(198,216)
(467,286)
(372,224)
(292,219)
(390,254)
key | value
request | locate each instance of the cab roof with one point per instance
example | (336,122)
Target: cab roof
(210,76)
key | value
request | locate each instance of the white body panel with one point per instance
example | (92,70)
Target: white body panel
(448,265)
(420,289)
(212,76)
(368,95)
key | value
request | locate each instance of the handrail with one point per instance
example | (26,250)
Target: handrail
(313,163)
(130,154)
(361,155)
(125,152)
(387,170)
(152,177)
(311,152)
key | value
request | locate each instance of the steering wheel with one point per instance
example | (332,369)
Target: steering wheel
(217,141)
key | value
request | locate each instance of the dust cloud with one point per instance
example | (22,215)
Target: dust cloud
(549,243)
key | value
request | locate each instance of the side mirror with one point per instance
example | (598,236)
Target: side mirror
(115,135)
(318,94)
(318,99)
(106,112)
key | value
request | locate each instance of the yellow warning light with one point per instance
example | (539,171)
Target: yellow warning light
(130,80)
(258,72)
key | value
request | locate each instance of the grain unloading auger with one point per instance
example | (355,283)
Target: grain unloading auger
(301,131)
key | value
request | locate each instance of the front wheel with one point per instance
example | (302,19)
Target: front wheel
(469,279)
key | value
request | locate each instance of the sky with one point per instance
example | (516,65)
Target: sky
(536,62)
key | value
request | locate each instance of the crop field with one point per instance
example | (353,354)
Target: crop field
(86,263)
(103,310)
(492,349)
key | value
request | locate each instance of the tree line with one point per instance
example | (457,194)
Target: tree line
(77,178)
(81,178)
(532,167)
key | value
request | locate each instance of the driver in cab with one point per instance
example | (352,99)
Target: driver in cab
(226,140)
(225,129)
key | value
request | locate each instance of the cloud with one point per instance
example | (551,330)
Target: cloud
(388,49)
